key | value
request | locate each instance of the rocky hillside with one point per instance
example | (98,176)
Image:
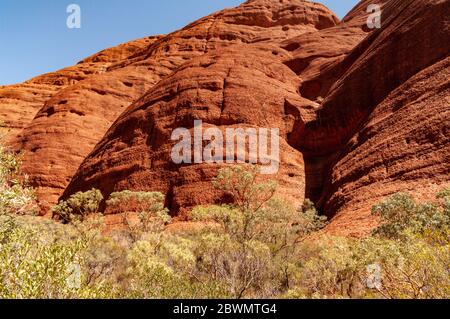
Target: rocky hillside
(20,103)
(362,113)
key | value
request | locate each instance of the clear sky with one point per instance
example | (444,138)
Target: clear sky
(34,38)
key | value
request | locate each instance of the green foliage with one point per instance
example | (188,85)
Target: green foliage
(15,196)
(163,266)
(241,181)
(257,247)
(331,270)
(340,268)
(312,221)
(400,213)
(411,250)
(143,212)
(9,167)
(79,206)
(40,260)
(410,269)
(444,196)
(136,201)
(250,245)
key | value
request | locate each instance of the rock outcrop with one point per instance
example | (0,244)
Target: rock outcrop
(362,113)
(390,113)
(135,153)
(54,121)
(69,125)
(237,78)
(19,103)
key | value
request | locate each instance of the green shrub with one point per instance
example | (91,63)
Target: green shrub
(164,266)
(136,201)
(410,269)
(311,220)
(256,247)
(400,213)
(444,196)
(340,268)
(9,166)
(332,270)
(142,211)
(15,196)
(242,182)
(79,206)
(250,244)
(44,259)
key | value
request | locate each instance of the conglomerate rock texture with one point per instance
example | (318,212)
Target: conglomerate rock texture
(362,113)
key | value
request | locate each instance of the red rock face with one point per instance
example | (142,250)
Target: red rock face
(391,112)
(19,103)
(57,118)
(69,124)
(223,85)
(253,82)
(135,153)
(402,146)
(362,113)
(414,37)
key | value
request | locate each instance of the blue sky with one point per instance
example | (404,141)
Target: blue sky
(34,38)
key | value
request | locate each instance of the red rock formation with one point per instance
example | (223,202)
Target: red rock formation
(390,113)
(362,113)
(69,125)
(402,146)
(232,98)
(55,141)
(19,103)
(343,72)
(135,153)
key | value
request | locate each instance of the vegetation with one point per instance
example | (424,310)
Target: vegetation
(143,212)
(256,247)
(400,215)
(15,196)
(79,206)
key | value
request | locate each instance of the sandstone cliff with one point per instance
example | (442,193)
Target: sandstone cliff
(363,113)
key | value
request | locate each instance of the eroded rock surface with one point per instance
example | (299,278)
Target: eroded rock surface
(235,77)
(19,103)
(331,86)
(362,113)
(383,126)
(55,119)
(69,125)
